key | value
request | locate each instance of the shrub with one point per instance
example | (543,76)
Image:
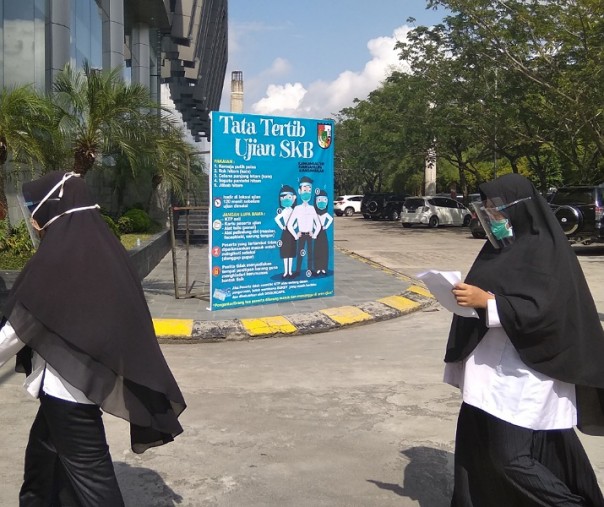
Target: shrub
(16,246)
(112,225)
(16,239)
(141,222)
(125,225)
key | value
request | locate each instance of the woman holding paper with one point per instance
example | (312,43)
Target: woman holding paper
(530,367)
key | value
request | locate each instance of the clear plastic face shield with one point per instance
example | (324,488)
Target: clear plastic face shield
(495,220)
(26,209)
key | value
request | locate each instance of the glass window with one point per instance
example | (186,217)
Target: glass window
(86,34)
(1,43)
(573,196)
(19,41)
(413,203)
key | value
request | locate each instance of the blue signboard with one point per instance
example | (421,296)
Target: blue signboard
(271,208)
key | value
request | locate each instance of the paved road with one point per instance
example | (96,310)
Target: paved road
(357,417)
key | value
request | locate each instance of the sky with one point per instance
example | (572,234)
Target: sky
(312,58)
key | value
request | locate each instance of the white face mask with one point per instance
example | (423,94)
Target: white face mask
(47,197)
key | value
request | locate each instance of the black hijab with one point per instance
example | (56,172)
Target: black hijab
(79,304)
(543,301)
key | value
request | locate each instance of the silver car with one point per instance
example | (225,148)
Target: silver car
(434,211)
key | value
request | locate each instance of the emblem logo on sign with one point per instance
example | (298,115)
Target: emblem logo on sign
(324,135)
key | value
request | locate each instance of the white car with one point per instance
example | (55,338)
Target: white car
(434,211)
(347,205)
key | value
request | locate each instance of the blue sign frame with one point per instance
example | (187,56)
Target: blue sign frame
(271,209)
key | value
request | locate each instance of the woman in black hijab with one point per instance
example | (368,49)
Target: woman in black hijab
(79,311)
(321,243)
(530,367)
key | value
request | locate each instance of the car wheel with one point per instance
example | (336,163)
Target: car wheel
(372,206)
(433,222)
(349,211)
(394,216)
(366,216)
(569,218)
(406,226)
(466,220)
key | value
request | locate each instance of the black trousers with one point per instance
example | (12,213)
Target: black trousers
(498,464)
(305,243)
(67,461)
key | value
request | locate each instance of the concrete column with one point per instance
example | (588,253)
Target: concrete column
(113,33)
(237,91)
(430,173)
(58,38)
(141,57)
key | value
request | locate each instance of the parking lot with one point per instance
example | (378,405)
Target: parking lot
(418,249)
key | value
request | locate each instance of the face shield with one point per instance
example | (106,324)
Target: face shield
(496,221)
(26,209)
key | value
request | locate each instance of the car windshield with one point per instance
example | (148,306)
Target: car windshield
(573,196)
(413,203)
(340,198)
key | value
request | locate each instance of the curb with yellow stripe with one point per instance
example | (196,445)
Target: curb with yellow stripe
(414,298)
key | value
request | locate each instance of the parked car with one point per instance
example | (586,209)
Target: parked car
(347,205)
(382,206)
(434,211)
(580,212)
(476,228)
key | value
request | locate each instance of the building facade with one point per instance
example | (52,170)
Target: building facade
(182,43)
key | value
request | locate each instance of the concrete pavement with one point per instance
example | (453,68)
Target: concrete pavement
(365,292)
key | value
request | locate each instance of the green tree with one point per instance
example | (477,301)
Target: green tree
(97,113)
(557,46)
(382,140)
(24,131)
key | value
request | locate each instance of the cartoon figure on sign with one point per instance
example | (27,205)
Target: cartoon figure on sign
(304,225)
(321,246)
(287,245)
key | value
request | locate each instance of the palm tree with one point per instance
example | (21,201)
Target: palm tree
(174,156)
(99,114)
(25,131)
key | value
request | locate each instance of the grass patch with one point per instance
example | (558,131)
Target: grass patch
(12,262)
(129,240)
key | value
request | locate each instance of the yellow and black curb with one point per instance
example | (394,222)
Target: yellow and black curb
(415,298)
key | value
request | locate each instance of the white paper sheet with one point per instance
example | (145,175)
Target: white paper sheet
(440,283)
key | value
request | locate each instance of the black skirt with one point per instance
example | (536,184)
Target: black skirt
(498,464)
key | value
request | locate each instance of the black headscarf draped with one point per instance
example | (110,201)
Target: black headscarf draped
(543,301)
(79,304)
(320,211)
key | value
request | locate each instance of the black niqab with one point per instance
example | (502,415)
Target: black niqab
(543,301)
(79,304)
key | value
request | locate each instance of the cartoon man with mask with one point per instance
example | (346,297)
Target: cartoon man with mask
(304,225)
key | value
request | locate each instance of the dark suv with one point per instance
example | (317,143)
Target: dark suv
(580,212)
(383,205)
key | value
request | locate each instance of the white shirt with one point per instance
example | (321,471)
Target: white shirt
(493,378)
(305,217)
(43,376)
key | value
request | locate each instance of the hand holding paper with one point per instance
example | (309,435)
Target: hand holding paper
(440,284)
